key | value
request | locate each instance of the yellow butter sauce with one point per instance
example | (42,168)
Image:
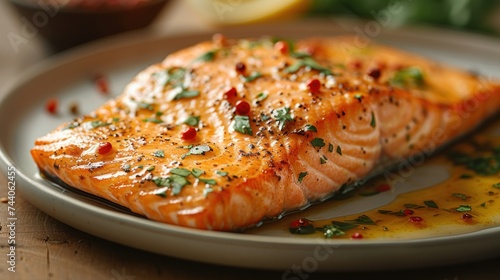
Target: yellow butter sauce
(465,201)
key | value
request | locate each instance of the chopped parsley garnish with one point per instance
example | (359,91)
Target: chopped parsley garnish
(252,77)
(159,154)
(97,123)
(318,142)
(486,164)
(197,150)
(283,116)
(261,96)
(72,125)
(344,226)
(330,231)
(431,204)
(242,124)
(339,150)
(175,182)
(197,172)
(408,77)
(180,171)
(307,62)
(323,159)
(192,120)
(221,173)
(362,220)
(186,94)
(373,122)
(208,181)
(208,56)
(152,120)
(413,206)
(310,127)
(302,175)
(330,147)
(151,168)
(463,208)
(144,105)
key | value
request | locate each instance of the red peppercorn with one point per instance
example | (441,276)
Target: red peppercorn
(242,107)
(383,188)
(240,67)
(467,216)
(408,212)
(104,148)
(314,85)
(357,235)
(189,133)
(230,94)
(416,219)
(300,223)
(51,106)
(282,47)
(374,73)
(102,84)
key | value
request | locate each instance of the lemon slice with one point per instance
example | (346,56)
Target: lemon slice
(248,11)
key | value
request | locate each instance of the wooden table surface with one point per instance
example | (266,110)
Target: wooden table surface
(48,249)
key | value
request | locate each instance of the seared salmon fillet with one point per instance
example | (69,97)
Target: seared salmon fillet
(227,133)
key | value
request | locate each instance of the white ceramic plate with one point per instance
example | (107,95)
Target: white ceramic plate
(68,78)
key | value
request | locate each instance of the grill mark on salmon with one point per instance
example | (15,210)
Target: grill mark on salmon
(364,119)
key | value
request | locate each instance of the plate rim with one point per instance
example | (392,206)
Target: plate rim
(137,39)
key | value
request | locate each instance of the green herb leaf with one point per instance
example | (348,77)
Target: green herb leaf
(252,77)
(261,96)
(196,150)
(208,56)
(197,172)
(98,123)
(463,208)
(322,160)
(180,171)
(208,181)
(186,94)
(175,182)
(152,120)
(330,147)
(343,226)
(146,106)
(330,231)
(192,120)
(431,204)
(362,220)
(488,164)
(159,153)
(307,62)
(318,142)
(339,150)
(72,125)
(151,168)
(373,122)
(408,77)
(283,116)
(242,125)
(221,173)
(497,185)
(310,127)
(302,175)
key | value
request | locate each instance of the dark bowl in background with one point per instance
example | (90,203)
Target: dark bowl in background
(65,26)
